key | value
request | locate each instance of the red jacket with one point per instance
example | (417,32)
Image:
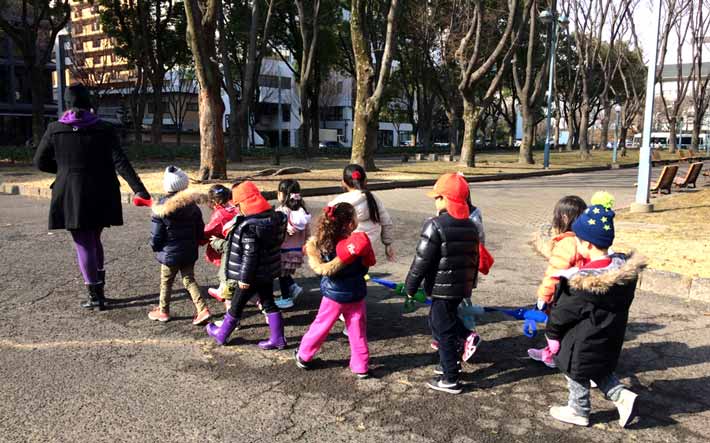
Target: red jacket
(220,216)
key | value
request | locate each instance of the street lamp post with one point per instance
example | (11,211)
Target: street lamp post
(642,203)
(553,20)
(617,108)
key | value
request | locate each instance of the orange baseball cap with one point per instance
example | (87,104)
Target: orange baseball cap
(454,189)
(249,199)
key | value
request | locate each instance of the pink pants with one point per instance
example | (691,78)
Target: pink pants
(356,324)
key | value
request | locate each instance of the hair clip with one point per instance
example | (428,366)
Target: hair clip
(356,175)
(295,196)
(329,212)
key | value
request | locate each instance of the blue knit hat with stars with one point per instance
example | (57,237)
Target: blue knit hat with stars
(596,224)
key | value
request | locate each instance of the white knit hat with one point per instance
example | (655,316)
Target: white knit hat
(175,179)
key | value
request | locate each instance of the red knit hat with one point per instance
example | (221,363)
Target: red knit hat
(249,199)
(454,188)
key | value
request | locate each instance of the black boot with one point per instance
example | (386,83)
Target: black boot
(102,278)
(95,297)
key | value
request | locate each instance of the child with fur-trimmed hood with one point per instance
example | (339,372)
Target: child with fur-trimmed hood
(590,311)
(177,228)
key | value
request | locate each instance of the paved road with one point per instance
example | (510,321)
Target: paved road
(66,375)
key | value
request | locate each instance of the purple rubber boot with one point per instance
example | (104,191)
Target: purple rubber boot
(221,333)
(276,326)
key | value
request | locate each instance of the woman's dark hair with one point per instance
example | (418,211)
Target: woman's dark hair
(359,182)
(566,212)
(218,195)
(77,98)
(291,190)
(334,226)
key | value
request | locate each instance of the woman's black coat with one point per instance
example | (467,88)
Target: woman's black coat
(86,193)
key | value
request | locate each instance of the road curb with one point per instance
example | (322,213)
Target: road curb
(659,282)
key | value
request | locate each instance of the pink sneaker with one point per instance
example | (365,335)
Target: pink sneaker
(541,355)
(434,345)
(202,317)
(470,346)
(216,294)
(158,315)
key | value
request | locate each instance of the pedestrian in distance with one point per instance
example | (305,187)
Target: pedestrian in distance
(297,231)
(446,266)
(587,323)
(176,232)
(253,245)
(85,154)
(342,258)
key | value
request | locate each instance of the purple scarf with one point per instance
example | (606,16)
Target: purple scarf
(84,121)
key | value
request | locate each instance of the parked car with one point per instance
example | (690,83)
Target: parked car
(330,145)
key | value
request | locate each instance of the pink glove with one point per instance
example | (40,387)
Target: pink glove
(553,346)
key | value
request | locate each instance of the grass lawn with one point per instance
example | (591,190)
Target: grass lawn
(676,237)
(328,171)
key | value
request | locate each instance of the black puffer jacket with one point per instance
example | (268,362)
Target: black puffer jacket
(177,228)
(446,260)
(254,247)
(589,316)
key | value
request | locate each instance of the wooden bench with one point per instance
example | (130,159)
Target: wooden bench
(665,181)
(691,176)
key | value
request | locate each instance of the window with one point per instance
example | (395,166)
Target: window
(272,81)
(95,26)
(339,87)
(331,113)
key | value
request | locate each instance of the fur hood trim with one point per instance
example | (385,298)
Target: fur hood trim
(178,201)
(600,282)
(315,261)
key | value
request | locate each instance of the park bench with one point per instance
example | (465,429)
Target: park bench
(665,181)
(691,176)
(692,155)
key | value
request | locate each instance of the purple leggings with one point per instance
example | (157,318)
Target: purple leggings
(89,253)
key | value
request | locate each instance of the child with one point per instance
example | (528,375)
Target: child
(342,259)
(446,264)
(297,231)
(253,246)
(563,256)
(219,199)
(372,217)
(177,228)
(585,331)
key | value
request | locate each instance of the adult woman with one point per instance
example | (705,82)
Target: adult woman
(84,153)
(373,218)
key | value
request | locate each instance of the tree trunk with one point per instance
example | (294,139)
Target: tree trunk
(305,119)
(512,124)
(622,140)
(178,135)
(672,136)
(234,136)
(525,155)
(453,131)
(605,125)
(156,128)
(584,131)
(695,141)
(315,122)
(38,98)
(213,164)
(360,136)
(471,119)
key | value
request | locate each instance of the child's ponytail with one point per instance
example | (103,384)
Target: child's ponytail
(291,192)
(334,225)
(354,177)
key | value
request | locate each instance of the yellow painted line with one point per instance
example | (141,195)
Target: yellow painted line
(120,342)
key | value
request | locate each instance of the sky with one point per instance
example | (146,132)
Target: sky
(644,20)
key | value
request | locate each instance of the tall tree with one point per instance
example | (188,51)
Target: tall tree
(371,78)
(308,30)
(674,26)
(529,67)
(477,54)
(149,34)
(700,93)
(202,16)
(33,26)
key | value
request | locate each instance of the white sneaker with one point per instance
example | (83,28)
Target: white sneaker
(626,405)
(592,384)
(568,415)
(295,291)
(536,354)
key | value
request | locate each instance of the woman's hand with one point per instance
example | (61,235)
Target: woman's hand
(389,252)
